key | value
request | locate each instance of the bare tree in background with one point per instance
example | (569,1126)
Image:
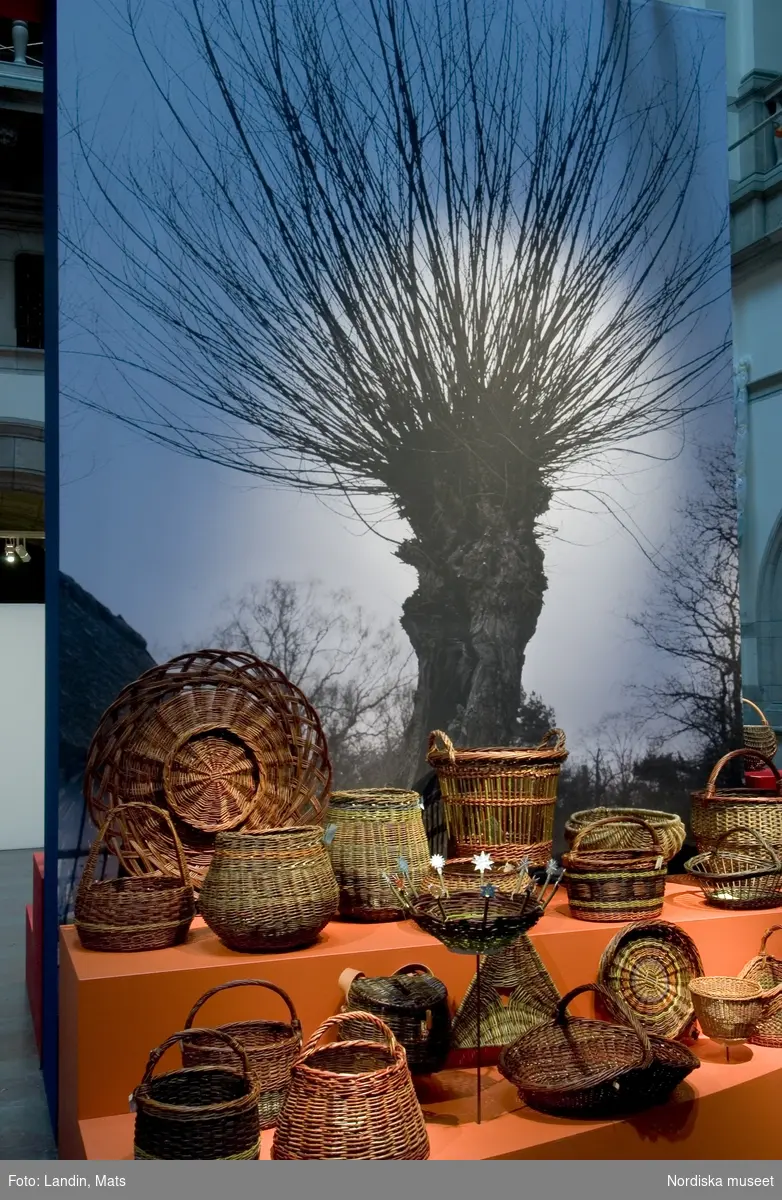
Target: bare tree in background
(695,621)
(434,254)
(359,678)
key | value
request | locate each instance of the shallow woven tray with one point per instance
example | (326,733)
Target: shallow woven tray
(744,877)
(649,965)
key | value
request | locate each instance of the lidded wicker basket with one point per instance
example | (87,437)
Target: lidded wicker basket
(220,740)
(625,834)
(743,877)
(615,885)
(272,890)
(203,1112)
(351,1100)
(766,970)
(272,1047)
(372,831)
(759,737)
(414,1006)
(499,799)
(147,913)
(716,811)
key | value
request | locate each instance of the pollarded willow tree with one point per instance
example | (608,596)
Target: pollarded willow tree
(433,252)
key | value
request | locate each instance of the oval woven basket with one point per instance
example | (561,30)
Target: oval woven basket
(649,965)
(577,1067)
(459,874)
(272,1047)
(351,1100)
(614,885)
(716,811)
(499,799)
(744,877)
(467,924)
(766,970)
(728,1009)
(622,835)
(372,830)
(269,891)
(220,740)
(204,1112)
(127,915)
(760,737)
(414,1006)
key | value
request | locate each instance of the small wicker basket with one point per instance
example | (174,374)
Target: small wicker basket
(728,1009)
(414,1006)
(749,876)
(716,811)
(615,885)
(272,1047)
(766,970)
(499,799)
(759,737)
(124,915)
(204,1112)
(625,834)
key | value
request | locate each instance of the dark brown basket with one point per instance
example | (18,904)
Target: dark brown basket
(221,740)
(739,877)
(716,811)
(577,1067)
(125,915)
(269,891)
(625,834)
(351,1100)
(414,1006)
(272,1047)
(468,924)
(766,970)
(373,830)
(615,885)
(499,799)
(205,1112)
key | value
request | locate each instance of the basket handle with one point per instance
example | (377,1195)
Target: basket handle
(92,857)
(558,743)
(414,969)
(656,844)
(708,791)
(774,1001)
(764,940)
(234,983)
(613,1005)
(751,704)
(334,1023)
(757,838)
(446,745)
(192,1035)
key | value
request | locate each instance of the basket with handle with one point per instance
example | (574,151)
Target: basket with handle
(203,1112)
(728,1009)
(414,1006)
(759,737)
(606,884)
(625,834)
(745,876)
(580,1067)
(272,1047)
(499,799)
(715,810)
(351,1100)
(150,912)
(765,969)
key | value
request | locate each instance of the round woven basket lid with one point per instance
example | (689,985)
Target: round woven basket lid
(649,965)
(399,993)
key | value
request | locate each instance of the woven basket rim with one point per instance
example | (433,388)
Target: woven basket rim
(738,796)
(221,1107)
(587,815)
(761,870)
(574,1024)
(712,987)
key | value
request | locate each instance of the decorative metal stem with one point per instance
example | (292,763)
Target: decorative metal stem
(478,1038)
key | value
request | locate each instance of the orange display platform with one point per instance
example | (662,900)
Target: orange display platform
(115,1007)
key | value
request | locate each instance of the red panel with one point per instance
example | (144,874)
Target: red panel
(22,10)
(34,973)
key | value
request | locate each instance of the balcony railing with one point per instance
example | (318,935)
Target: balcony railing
(21,63)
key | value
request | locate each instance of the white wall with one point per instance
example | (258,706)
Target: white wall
(21,726)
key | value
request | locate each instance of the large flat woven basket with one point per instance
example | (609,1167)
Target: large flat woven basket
(649,965)
(717,811)
(499,799)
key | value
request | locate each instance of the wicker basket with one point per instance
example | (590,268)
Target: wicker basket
(501,800)
(669,828)
(205,1112)
(649,965)
(149,913)
(467,924)
(748,876)
(221,740)
(373,831)
(351,1100)
(614,885)
(766,970)
(576,1067)
(460,875)
(728,1009)
(759,737)
(272,1047)
(272,891)
(715,811)
(414,1006)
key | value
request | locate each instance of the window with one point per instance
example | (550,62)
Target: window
(28,270)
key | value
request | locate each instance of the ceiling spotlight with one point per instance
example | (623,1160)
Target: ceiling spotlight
(22,552)
(10,552)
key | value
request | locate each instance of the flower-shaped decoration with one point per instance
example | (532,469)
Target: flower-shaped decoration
(482,862)
(551,867)
(488,891)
